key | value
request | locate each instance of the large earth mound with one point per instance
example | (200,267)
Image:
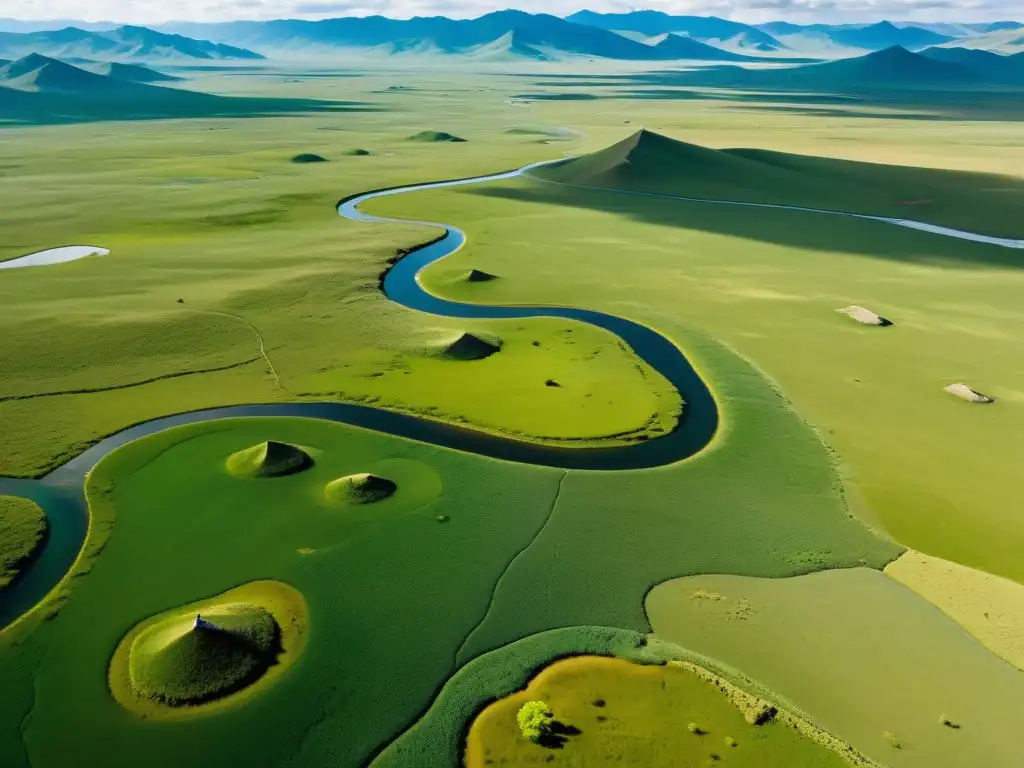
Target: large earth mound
(190,658)
(269,459)
(471,347)
(362,488)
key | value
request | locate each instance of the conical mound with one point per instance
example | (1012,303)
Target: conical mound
(269,459)
(470,347)
(187,659)
(479,276)
(643,157)
(363,488)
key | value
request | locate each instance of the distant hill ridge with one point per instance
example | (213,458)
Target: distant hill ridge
(510,32)
(123,43)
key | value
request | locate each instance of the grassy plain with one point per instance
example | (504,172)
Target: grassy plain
(989,607)
(924,466)
(278,295)
(858,652)
(22,530)
(389,585)
(617,712)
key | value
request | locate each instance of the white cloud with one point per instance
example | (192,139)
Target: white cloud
(156,11)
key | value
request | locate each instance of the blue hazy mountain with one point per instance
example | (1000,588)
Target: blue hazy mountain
(121,43)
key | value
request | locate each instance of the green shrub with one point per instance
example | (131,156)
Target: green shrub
(535,720)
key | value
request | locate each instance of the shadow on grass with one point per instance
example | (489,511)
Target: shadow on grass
(794,229)
(558,735)
(22,108)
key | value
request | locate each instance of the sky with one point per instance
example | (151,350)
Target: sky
(753,11)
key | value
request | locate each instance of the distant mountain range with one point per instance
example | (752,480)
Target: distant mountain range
(508,35)
(511,33)
(117,44)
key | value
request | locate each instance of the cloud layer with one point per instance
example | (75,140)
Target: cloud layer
(800,11)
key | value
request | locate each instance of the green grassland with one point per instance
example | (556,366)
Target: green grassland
(919,463)
(418,601)
(22,529)
(626,713)
(860,654)
(231,279)
(391,593)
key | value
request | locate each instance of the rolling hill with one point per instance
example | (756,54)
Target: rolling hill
(892,68)
(993,67)
(37,90)
(133,73)
(118,44)
(652,163)
(507,33)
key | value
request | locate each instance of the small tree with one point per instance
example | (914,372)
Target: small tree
(535,720)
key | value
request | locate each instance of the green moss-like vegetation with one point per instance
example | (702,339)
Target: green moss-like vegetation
(269,459)
(610,711)
(22,530)
(358,152)
(436,136)
(212,654)
(387,587)
(309,157)
(362,488)
(188,658)
(716,694)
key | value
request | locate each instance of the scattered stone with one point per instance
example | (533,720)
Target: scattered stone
(966,393)
(864,316)
(551,383)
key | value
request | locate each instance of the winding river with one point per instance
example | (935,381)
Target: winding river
(61,493)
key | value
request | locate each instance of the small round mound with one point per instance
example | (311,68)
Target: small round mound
(309,157)
(363,488)
(269,459)
(358,152)
(435,136)
(470,347)
(189,659)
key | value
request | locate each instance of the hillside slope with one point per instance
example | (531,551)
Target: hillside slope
(655,164)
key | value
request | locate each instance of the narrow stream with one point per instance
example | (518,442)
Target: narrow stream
(62,492)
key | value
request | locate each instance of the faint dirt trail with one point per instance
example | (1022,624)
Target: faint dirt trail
(497,584)
(263,349)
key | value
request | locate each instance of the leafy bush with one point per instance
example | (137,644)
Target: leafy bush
(535,720)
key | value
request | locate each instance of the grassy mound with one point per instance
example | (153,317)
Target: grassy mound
(363,488)
(358,152)
(269,459)
(478,276)
(435,136)
(309,157)
(471,347)
(22,529)
(188,659)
